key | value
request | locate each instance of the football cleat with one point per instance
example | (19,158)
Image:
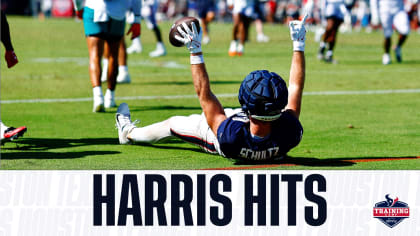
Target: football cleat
(398,55)
(123,77)
(386,59)
(232,48)
(98,104)
(123,123)
(329,58)
(240,50)
(262,38)
(135,48)
(13,133)
(159,51)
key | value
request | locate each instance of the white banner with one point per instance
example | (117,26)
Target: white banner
(209,202)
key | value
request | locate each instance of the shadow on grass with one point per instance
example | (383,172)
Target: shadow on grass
(43,144)
(53,155)
(324,162)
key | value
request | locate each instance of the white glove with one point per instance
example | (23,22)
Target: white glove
(298,34)
(191,39)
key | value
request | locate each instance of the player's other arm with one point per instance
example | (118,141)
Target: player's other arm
(297,70)
(211,106)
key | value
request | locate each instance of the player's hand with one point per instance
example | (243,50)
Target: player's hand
(298,33)
(79,14)
(191,39)
(135,30)
(11,58)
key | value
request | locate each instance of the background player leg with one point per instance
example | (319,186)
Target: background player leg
(96,48)
(402,25)
(114,47)
(150,17)
(123,75)
(160,47)
(235,32)
(205,26)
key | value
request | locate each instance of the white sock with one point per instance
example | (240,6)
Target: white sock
(329,53)
(136,41)
(152,133)
(160,45)
(109,94)
(122,69)
(104,62)
(322,44)
(97,91)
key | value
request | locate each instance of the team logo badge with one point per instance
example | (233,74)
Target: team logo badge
(391,212)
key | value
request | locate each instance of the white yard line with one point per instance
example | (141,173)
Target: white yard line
(225,95)
(82,61)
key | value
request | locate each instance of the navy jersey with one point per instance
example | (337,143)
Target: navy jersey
(236,141)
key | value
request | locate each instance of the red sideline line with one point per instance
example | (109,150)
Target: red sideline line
(385,159)
(278,165)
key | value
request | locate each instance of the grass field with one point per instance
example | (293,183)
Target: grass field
(67,135)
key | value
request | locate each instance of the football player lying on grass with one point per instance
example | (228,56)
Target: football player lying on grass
(265,127)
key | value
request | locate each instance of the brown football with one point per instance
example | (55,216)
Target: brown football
(188,20)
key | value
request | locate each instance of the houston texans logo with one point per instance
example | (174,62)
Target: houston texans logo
(391,202)
(391,212)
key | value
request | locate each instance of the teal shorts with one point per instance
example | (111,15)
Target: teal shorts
(109,30)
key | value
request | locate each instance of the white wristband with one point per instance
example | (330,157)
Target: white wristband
(197,59)
(298,46)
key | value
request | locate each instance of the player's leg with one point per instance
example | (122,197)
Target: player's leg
(10,55)
(96,47)
(402,25)
(386,20)
(104,73)
(123,75)
(114,48)
(243,33)
(128,132)
(209,17)
(235,32)
(192,129)
(152,24)
(332,39)
(259,22)
(327,34)
(135,46)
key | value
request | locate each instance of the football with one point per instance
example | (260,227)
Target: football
(174,31)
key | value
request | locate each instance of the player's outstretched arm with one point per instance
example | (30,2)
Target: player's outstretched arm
(297,70)
(211,106)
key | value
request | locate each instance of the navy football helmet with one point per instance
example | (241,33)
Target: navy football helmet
(263,95)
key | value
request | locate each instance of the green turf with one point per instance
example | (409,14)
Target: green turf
(70,136)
